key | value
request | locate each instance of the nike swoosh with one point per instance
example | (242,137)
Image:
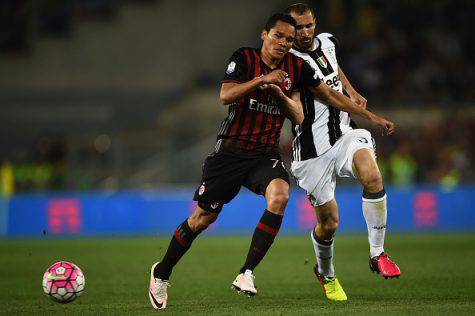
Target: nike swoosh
(52,277)
(155,301)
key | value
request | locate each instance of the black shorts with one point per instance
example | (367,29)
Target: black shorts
(224,174)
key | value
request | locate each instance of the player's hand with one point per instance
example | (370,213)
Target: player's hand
(387,127)
(358,99)
(274,89)
(275,77)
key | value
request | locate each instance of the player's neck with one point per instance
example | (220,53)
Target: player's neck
(308,49)
(269,61)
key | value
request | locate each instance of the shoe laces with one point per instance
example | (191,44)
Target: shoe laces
(249,277)
(161,287)
(386,258)
(330,282)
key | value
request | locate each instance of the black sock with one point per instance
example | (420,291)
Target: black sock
(179,245)
(263,237)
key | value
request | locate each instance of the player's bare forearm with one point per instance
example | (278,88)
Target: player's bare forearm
(292,107)
(333,98)
(231,91)
(346,83)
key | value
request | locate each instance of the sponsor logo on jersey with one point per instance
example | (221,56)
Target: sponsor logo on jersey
(322,62)
(334,82)
(214,205)
(362,140)
(261,107)
(231,67)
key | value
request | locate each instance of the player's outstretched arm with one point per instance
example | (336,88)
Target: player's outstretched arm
(291,107)
(354,96)
(334,98)
(231,91)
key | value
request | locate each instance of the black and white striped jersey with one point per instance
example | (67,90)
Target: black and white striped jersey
(323,125)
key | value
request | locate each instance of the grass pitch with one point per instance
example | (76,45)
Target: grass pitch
(438,277)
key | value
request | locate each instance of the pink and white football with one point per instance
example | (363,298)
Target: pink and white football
(63,282)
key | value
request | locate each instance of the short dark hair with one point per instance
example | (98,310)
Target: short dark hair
(299,9)
(284,17)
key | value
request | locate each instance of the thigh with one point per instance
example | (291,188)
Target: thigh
(364,163)
(352,142)
(221,181)
(265,170)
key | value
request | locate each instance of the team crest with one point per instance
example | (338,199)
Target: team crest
(201,190)
(322,62)
(231,67)
(287,83)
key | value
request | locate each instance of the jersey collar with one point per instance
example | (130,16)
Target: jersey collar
(276,67)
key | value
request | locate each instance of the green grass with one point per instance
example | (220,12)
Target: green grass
(438,277)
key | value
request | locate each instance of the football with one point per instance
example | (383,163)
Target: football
(63,282)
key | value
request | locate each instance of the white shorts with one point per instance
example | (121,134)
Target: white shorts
(317,176)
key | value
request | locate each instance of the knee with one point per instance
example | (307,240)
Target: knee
(277,202)
(329,227)
(372,181)
(201,221)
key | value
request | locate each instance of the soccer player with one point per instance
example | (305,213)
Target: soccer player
(260,87)
(328,144)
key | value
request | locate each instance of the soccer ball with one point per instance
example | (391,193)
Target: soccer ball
(63,282)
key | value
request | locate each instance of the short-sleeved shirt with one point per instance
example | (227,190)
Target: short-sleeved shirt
(254,121)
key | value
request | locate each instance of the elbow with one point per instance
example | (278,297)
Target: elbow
(225,98)
(299,118)
(224,101)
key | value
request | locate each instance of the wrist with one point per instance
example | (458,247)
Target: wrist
(372,117)
(260,81)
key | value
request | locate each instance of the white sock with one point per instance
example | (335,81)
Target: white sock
(375,214)
(324,255)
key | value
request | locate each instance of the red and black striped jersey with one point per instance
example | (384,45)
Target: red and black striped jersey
(254,122)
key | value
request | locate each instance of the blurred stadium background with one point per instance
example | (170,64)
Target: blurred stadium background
(101,97)
(108,108)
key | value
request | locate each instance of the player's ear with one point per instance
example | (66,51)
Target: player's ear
(263,34)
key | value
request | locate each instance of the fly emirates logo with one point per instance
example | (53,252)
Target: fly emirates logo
(261,107)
